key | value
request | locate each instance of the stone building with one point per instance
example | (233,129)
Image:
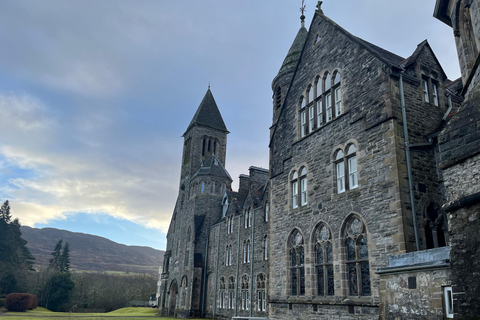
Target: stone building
(369,208)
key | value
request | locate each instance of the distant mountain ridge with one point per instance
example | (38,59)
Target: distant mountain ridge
(91,253)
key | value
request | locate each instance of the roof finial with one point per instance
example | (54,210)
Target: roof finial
(208,85)
(319,7)
(302,10)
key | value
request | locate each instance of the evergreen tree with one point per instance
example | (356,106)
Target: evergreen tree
(65,258)
(15,258)
(55,262)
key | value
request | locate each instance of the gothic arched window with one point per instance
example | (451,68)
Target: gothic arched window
(245,292)
(324,261)
(231,292)
(435,227)
(261,292)
(358,267)
(221,294)
(297,264)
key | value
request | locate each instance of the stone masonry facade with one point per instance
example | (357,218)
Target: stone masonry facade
(370,206)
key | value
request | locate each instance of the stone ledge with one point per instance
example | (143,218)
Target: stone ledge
(437,258)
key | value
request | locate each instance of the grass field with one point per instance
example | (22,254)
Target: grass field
(124,313)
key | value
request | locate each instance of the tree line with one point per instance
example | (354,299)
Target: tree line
(56,287)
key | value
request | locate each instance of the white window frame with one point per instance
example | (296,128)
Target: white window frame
(338,101)
(311,117)
(265,243)
(448,298)
(328,101)
(295,194)
(425,90)
(303,116)
(267,209)
(435,94)
(303,190)
(352,172)
(319,113)
(340,176)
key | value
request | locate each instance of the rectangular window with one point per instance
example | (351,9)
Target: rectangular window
(328,102)
(340,177)
(425,90)
(303,186)
(311,118)
(435,93)
(352,173)
(303,116)
(319,113)
(448,296)
(295,194)
(338,101)
(264,299)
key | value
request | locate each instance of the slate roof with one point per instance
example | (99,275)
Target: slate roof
(295,51)
(208,115)
(411,60)
(213,167)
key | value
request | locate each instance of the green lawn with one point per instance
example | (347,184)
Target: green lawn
(44,314)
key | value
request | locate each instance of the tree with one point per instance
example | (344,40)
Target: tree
(65,259)
(15,258)
(61,258)
(55,262)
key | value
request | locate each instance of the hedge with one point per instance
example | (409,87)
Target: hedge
(21,302)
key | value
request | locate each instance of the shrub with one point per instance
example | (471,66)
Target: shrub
(21,302)
(2,301)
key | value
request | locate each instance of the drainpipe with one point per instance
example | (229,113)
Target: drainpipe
(238,261)
(204,295)
(251,265)
(216,277)
(409,166)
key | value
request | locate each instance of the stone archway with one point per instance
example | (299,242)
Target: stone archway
(172,303)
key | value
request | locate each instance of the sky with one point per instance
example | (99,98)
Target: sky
(95,96)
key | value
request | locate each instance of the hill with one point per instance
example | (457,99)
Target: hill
(92,253)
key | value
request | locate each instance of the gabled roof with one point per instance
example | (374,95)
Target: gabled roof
(212,167)
(208,115)
(411,60)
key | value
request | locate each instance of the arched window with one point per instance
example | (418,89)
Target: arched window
(324,261)
(212,187)
(265,246)
(303,186)
(299,186)
(303,118)
(278,97)
(227,255)
(261,292)
(338,94)
(202,188)
(358,267)
(297,264)
(435,227)
(267,210)
(231,292)
(245,292)
(250,217)
(346,165)
(221,294)
(294,184)
(183,290)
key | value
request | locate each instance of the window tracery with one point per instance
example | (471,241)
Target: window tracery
(297,264)
(324,261)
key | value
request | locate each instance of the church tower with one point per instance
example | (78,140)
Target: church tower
(206,135)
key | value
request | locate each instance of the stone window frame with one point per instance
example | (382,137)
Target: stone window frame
(209,146)
(299,187)
(183,291)
(221,294)
(321,102)
(245,292)
(430,87)
(342,159)
(320,240)
(296,264)
(261,292)
(435,227)
(277,97)
(354,229)
(246,251)
(231,292)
